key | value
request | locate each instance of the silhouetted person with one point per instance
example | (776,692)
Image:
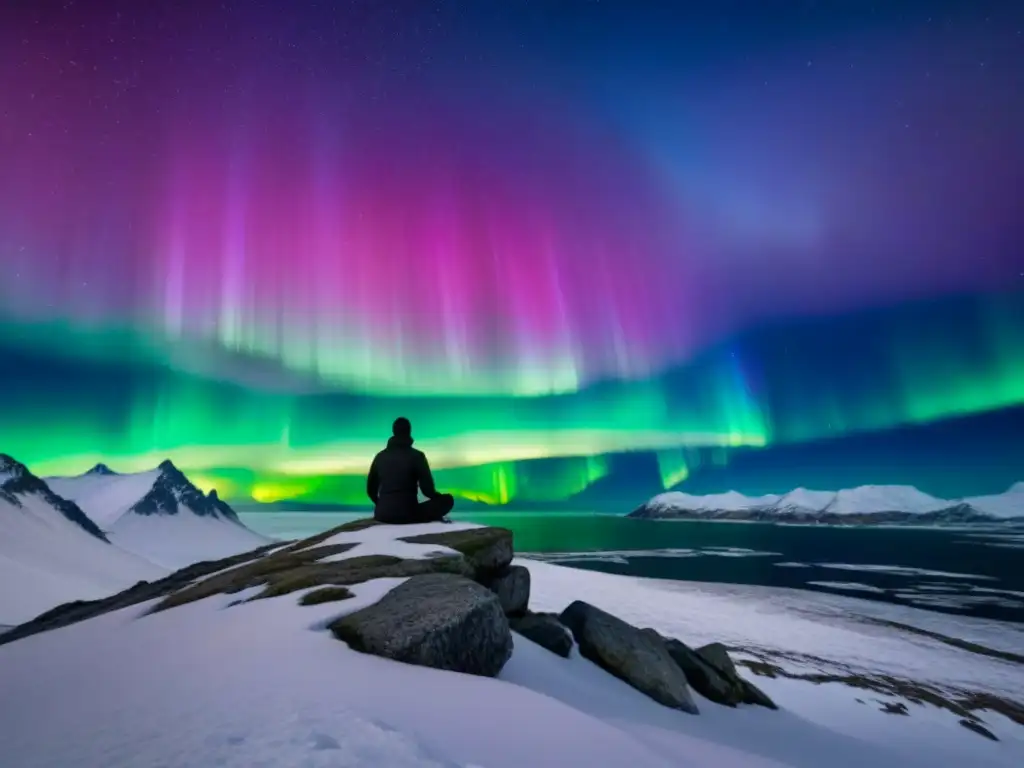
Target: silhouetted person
(395,474)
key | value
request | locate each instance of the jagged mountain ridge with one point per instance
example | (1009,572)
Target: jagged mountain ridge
(17,481)
(869,504)
(108,496)
(172,490)
(159,514)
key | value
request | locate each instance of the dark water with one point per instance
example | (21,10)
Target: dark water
(978,572)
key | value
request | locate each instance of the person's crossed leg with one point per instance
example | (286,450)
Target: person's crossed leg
(435,509)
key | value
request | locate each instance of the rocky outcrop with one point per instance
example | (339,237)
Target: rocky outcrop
(711,673)
(513,589)
(717,656)
(487,550)
(545,630)
(457,610)
(437,620)
(630,654)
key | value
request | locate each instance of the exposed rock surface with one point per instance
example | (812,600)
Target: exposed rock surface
(711,673)
(436,620)
(716,655)
(488,550)
(545,630)
(703,677)
(512,589)
(172,490)
(630,654)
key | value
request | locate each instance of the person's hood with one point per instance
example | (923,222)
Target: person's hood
(400,442)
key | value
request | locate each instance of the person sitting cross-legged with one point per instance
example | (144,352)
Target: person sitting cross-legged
(394,476)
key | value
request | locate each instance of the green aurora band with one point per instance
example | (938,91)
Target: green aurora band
(131,405)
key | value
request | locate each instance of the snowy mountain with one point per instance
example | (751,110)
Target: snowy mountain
(51,552)
(1003,505)
(159,514)
(16,482)
(866,504)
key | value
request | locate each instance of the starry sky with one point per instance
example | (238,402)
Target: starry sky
(247,235)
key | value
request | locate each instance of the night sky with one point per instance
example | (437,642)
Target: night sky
(247,235)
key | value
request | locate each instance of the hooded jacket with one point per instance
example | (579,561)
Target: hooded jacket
(394,476)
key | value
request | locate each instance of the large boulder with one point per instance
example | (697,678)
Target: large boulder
(704,678)
(487,550)
(630,654)
(513,590)
(717,656)
(545,630)
(435,620)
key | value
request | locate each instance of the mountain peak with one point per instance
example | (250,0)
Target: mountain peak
(173,492)
(10,467)
(16,482)
(101,469)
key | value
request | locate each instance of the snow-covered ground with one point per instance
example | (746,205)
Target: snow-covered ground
(174,541)
(262,684)
(46,560)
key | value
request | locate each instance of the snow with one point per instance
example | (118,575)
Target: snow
(865,499)
(847,586)
(817,624)
(385,540)
(1008,504)
(728,501)
(104,498)
(803,500)
(172,541)
(46,560)
(267,686)
(884,498)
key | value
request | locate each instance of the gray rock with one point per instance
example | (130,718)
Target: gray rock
(630,654)
(545,630)
(704,677)
(716,655)
(512,589)
(487,550)
(434,620)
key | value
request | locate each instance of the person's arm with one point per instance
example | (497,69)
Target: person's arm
(426,479)
(372,481)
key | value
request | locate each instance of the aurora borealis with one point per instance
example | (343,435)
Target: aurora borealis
(246,237)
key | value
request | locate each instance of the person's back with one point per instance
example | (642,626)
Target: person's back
(394,477)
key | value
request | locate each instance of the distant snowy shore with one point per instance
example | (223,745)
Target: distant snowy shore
(864,505)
